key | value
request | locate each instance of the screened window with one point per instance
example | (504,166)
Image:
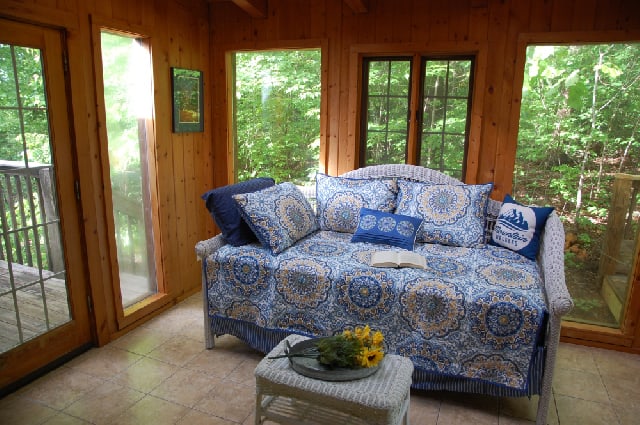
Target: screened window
(277,114)
(434,133)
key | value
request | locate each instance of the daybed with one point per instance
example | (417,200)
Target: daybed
(480,318)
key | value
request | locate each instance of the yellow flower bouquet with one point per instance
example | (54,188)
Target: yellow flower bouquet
(360,348)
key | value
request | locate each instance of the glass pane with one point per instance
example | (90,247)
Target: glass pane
(456,117)
(277,115)
(445,103)
(11,146)
(575,140)
(127,95)
(385,148)
(453,156)
(435,78)
(8,95)
(30,78)
(433,114)
(459,78)
(387,110)
(431,150)
(33,289)
(37,136)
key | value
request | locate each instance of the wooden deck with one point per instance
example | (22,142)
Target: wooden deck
(34,318)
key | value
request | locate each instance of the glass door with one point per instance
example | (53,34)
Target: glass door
(43,298)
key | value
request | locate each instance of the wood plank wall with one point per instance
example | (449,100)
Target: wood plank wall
(493,26)
(197,33)
(179,34)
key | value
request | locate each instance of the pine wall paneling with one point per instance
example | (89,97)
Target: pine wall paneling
(196,34)
(180,34)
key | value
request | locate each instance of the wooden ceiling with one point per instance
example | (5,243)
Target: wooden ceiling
(258,8)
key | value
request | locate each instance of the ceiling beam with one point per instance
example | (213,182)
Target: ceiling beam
(255,8)
(358,6)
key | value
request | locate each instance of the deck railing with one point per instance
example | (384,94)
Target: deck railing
(30,224)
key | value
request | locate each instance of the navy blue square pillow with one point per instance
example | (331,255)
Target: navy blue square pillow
(518,227)
(381,227)
(224,211)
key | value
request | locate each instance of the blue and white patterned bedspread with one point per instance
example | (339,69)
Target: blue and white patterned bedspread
(473,313)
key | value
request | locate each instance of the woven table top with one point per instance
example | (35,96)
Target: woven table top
(384,390)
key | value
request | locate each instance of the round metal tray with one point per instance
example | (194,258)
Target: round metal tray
(312,368)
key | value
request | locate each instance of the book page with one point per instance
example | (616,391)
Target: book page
(411,259)
(384,259)
(398,259)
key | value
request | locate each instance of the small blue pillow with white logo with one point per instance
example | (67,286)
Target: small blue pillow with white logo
(381,227)
(518,227)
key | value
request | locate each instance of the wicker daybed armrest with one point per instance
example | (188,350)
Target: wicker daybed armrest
(209,246)
(551,260)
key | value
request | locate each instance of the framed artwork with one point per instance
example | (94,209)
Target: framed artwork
(187,99)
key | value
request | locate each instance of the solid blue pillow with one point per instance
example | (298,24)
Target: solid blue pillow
(386,228)
(518,227)
(222,208)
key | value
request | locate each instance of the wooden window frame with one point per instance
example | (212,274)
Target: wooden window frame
(418,50)
(126,317)
(627,337)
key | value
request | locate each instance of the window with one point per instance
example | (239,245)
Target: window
(436,134)
(276,114)
(128,97)
(579,150)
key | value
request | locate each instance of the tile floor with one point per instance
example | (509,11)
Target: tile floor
(161,373)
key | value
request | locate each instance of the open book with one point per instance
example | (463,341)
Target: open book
(398,259)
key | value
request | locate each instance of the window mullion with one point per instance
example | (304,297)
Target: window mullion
(415,112)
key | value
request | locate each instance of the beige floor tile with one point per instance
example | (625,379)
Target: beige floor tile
(519,407)
(104,403)
(187,387)
(424,408)
(623,390)
(627,415)
(194,330)
(576,357)
(61,387)
(16,410)
(575,411)
(195,417)
(145,374)
(64,419)
(151,410)
(178,350)
(508,420)
(244,372)
(459,408)
(231,401)
(104,362)
(217,362)
(579,384)
(141,340)
(161,373)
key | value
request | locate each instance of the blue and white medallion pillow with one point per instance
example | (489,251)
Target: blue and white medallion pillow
(451,214)
(339,200)
(279,215)
(386,228)
(518,227)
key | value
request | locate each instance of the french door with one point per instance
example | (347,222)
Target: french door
(44,313)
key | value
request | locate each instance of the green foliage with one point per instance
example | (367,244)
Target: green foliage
(578,122)
(277,115)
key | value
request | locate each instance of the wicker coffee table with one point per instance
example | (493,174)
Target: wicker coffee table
(287,397)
